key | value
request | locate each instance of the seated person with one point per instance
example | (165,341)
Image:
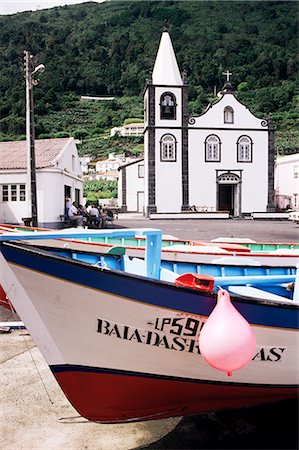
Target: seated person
(110,216)
(94,216)
(75,216)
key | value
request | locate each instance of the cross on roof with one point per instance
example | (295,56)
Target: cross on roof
(227,74)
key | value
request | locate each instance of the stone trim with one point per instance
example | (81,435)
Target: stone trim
(124,190)
(271,163)
(185,151)
(151,151)
(190,128)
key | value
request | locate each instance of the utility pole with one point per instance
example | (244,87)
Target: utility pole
(31,193)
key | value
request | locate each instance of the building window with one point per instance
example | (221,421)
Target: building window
(168,148)
(212,148)
(5,193)
(244,149)
(228,113)
(13,192)
(141,171)
(168,106)
(22,192)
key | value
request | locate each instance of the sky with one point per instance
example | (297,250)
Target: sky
(14,6)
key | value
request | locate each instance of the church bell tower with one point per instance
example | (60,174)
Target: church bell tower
(166,134)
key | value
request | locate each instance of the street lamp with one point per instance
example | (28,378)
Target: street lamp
(30,70)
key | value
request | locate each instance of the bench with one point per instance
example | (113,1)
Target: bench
(66,222)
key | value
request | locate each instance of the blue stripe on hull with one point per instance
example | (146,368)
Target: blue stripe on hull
(149,291)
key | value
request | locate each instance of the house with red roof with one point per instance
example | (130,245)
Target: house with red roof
(58,175)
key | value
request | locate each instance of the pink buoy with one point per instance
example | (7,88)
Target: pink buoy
(227,341)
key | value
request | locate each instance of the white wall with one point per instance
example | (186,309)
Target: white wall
(50,182)
(134,185)
(168,173)
(287,178)
(169,176)
(12,212)
(68,159)
(243,118)
(203,176)
(50,187)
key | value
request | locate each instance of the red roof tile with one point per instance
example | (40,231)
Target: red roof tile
(13,154)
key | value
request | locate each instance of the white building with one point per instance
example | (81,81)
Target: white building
(131,129)
(287,182)
(111,164)
(131,186)
(107,169)
(85,162)
(222,160)
(58,175)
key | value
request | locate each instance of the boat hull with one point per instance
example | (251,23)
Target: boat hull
(151,397)
(124,347)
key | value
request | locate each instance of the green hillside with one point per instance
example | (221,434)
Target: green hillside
(109,48)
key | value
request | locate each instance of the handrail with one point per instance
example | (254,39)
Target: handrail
(153,243)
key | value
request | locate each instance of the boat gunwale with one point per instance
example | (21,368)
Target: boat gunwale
(46,253)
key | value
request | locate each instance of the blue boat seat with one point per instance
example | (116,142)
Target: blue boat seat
(253,292)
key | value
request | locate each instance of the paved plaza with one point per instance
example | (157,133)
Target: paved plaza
(207,229)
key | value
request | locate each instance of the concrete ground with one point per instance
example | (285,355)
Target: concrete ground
(204,229)
(35,414)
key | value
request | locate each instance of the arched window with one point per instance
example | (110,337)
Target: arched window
(228,113)
(244,149)
(212,148)
(168,106)
(168,148)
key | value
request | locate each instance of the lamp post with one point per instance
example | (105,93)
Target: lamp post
(30,70)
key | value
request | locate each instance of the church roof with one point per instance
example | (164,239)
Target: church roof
(13,154)
(166,70)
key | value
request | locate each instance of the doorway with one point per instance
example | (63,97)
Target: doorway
(226,198)
(140,201)
(229,193)
(67,194)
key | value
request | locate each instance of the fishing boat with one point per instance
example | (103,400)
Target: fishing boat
(218,251)
(122,334)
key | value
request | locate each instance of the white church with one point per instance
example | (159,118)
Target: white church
(220,161)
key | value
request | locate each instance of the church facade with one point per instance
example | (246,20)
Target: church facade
(222,160)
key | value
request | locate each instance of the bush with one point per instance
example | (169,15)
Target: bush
(80,134)
(134,120)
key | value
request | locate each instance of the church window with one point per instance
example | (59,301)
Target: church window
(168,106)
(168,148)
(244,149)
(212,148)
(228,114)
(140,171)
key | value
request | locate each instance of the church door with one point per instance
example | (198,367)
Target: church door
(226,198)
(228,193)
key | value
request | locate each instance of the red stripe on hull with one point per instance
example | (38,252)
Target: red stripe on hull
(4,301)
(119,398)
